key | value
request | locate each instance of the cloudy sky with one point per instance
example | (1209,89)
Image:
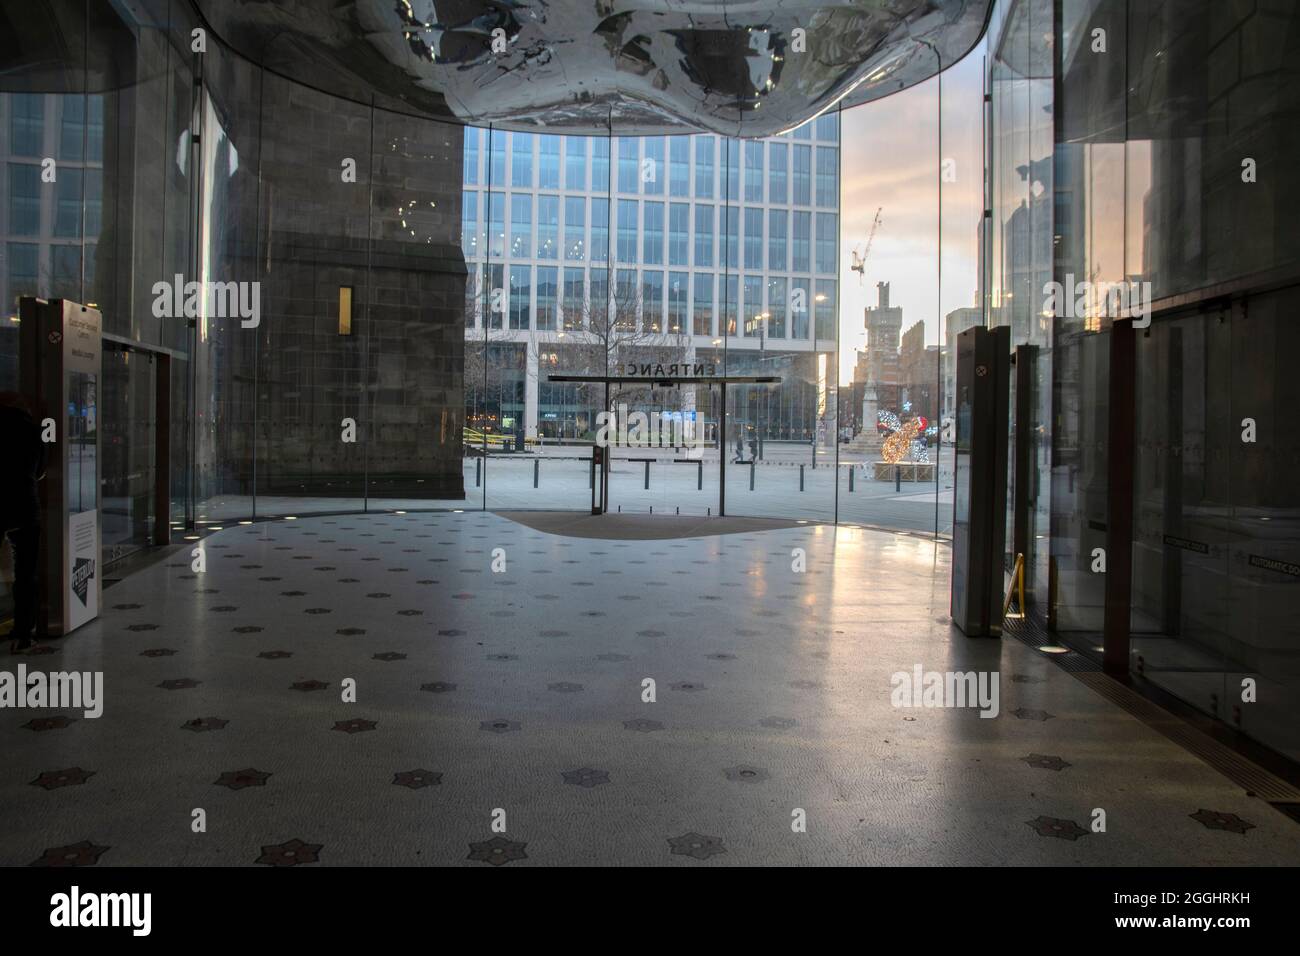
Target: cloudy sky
(891,161)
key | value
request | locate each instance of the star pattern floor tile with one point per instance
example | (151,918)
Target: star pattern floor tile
(322,670)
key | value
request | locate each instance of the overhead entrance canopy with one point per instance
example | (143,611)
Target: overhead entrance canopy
(664,376)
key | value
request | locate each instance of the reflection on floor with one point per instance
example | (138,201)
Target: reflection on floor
(560,479)
(1211,683)
(517,695)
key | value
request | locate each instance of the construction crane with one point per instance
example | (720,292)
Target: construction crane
(860,261)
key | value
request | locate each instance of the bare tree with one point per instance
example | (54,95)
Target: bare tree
(597,337)
(490,350)
(616,331)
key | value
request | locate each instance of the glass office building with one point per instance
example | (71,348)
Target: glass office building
(708,243)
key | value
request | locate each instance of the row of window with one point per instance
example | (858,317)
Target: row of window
(759,170)
(58,277)
(650,232)
(651,300)
(27,192)
(77,136)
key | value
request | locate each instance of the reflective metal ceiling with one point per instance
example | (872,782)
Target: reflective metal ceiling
(638,66)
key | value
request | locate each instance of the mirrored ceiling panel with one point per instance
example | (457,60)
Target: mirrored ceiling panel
(638,66)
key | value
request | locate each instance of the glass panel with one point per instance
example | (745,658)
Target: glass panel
(961,202)
(1262,541)
(575,228)
(470,159)
(706,151)
(548,227)
(538,432)
(548,162)
(127,419)
(652,246)
(575,163)
(1181,496)
(521,160)
(679,161)
(521,226)
(653,169)
(1086,180)
(27,125)
(889,268)
(317,378)
(248,441)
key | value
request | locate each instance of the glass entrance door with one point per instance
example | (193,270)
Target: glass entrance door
(663,454)
(128,417)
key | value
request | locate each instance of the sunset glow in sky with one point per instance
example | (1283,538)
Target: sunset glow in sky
(891,160)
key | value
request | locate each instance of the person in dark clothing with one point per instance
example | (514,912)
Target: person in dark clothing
(22,466)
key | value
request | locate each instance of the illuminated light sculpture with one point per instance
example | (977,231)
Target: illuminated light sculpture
(905,442)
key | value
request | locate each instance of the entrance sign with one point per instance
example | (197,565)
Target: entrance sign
(60,344)
(671,370)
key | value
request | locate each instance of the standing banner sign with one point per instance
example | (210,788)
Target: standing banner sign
(82,597)
(60,342)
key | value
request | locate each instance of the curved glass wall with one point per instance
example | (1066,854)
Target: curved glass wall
(292,258)
(314,305)
(383,300)
(1129,150)
(612,255)
(913,200)
(95,206)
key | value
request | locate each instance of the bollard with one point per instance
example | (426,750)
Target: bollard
(699,476)
(751,476)
(537,464)
(851,470)
(801,477)
(898,477)
(591,476)
(647,474)
(478,472)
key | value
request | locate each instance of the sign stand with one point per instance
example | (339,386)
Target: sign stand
(60,343)
(1016,589)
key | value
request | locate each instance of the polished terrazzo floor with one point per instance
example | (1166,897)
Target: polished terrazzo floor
(521,691)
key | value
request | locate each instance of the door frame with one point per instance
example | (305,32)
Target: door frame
(162,383)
